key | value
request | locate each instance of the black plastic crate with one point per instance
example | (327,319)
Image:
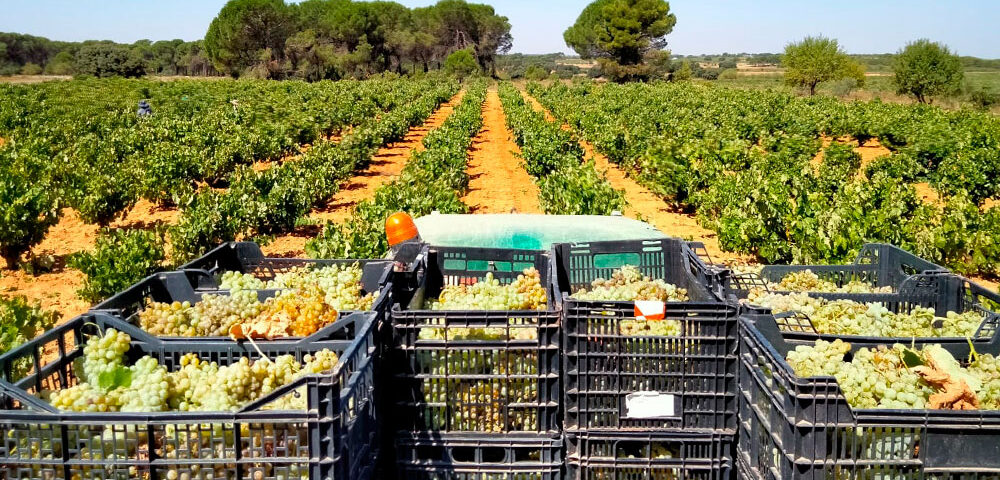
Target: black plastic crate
(335,437)
(169,287)
(479,457)
(247,257)
(647,456)
(450,375)
(879,264)
(942,292)
(689,379)
(202,276)
(803,428)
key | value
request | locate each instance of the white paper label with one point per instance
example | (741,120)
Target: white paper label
(649,405)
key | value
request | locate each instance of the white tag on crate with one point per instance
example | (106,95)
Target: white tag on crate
(649,405)
(650,310)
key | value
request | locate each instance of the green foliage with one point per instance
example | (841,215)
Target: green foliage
(461,64)
(29,206)
(817,59)
(619,33)
(567,185)
(31,69)
(536,72)
(984,98)
(246,33)
(742,161)
(431,181)
(683,73)
(21,321)
(119,259)
(108,60)
(926,69)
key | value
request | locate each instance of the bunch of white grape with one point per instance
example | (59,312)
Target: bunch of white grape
(340,284)
(212,316)
(879,378)
(629,284)
(524,293)
(807,281)
(847,317)
(196,385)
(104,354)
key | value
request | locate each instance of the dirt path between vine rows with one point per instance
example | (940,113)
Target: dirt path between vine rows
(647,206)
(497,181)
(386,165)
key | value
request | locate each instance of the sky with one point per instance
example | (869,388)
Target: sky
(969,27)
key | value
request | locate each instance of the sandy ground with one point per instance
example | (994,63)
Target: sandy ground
(647,206)
(497,181)
(386,165)
(56,290)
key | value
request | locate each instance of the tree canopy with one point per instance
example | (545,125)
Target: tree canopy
(925,69)
(247,32)
(620,33)
(818,59)
(331,39)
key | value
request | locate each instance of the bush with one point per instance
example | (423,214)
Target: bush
(29,206)
(729,74)
(211,219)
(109,60)
(120,259)
(843,87)
(461,64)
(21,321)
(984,98)
(536,72)
(31,69)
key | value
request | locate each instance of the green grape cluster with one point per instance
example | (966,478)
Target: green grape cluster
(879,377)
(104,354)
(212,316)
(340,284)
(196,385)
(629,284)
(309,299)
(987,369)
(234,280)
(807,281)
(847,317)
(524,293)
(650,328)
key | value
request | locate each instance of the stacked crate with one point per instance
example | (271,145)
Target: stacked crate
(475,394)
(334,437)
(803,428)
(647,406)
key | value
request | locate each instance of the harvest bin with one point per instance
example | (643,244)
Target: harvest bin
(803,428)
(334,438)
(201,277)
(880,264)
(475,457)
(649,456)
(247,257)
(688,380)
(452,385)
(943,292)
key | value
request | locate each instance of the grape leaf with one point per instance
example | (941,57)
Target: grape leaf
(118,377)
(911,358)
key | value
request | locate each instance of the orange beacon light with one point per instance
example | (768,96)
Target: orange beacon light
(399,228)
